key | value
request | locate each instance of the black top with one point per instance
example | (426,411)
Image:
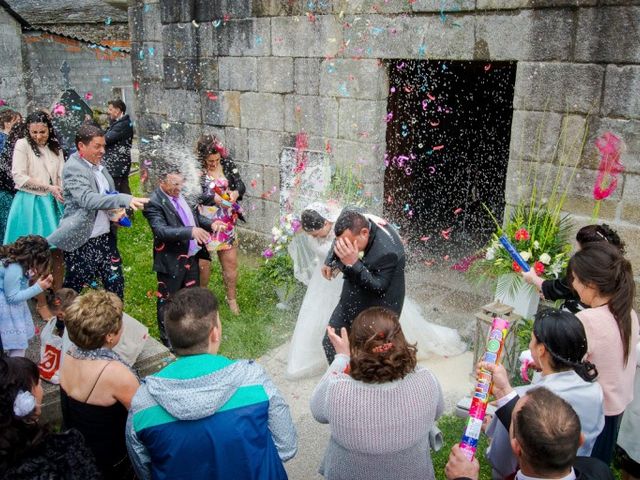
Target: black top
(6,179)
(117,155)
(103,429)
(559,289)
(60,456)
(233,177)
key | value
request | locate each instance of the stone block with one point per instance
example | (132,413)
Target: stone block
(366,79)
(264,111)
(237,144)
(144,65)
(443,5)
(538,4)
(534,135)
(631,235)
(238,73)
(627,130)
(252,176)
(181,73)
(180,40)
(306,76)
(275,74)
(373,6)
(248,37)
(362,120)
(150,98)
(526,35)
(174,11)
(208,10)
(275,8)
(208,73)
(571,144)
(225,110)
(560,87)
(299,37)
(314,115)
(263,217)
(621,89)
(367,160)
(208,48)
(374,36)
(265,147)
(183,106)
(271,183)
(181,136)
(608,35)
(149,124)
(145,23)
(631,201)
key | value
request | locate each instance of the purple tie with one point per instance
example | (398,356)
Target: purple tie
(193,245)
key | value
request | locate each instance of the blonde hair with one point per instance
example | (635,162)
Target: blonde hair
(93,316)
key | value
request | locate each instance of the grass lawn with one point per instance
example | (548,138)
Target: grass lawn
(259,327)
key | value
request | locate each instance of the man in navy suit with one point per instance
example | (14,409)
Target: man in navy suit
(178,235)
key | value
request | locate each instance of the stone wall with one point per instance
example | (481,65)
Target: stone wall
(92,69)
(258,72)
(12,90)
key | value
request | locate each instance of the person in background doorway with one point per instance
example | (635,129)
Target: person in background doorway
(118,138)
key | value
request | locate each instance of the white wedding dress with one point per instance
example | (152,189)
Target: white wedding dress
(306,355)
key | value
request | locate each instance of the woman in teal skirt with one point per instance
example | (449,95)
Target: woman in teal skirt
(37,206)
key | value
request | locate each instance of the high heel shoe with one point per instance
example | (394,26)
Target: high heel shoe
(233,306)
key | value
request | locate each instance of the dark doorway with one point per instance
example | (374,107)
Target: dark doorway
(448,133)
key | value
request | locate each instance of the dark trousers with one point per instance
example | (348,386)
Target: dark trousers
(606,441)
(97,259)
(186,276)
(122,184)
(338,320)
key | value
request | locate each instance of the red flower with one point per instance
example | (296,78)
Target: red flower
(539,267)
(516,267)
(521,234)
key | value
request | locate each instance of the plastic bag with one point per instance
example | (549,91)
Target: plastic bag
(50,353)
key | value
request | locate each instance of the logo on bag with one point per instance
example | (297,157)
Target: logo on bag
(50,362)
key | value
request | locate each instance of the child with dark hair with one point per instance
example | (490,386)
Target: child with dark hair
(58,303)
(29,450)
(29,258)
(559,288)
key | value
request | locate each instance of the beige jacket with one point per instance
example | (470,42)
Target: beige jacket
(45,169)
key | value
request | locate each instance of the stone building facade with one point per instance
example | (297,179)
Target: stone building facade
(257,72)
(31,59)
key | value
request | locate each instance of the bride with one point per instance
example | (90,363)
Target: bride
(308,252)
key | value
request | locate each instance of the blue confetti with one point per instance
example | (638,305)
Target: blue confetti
(76,107)
(258,40)
(145,140)
(343,90)
(106,80)
(113,277)
(108,21)
(152,51)
(141,54)
(422,50)
(146,8)
(375,31)
(217,23)
(331,68)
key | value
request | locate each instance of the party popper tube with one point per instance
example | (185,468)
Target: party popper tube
(514,253)
(484,384)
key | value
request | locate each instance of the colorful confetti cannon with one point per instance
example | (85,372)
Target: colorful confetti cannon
(514,253)
(495,345)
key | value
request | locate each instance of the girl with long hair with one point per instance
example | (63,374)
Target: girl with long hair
(603,279)
(27,259)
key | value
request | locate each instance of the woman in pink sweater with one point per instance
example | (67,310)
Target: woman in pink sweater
(603,279)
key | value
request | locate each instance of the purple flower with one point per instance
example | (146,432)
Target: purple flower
(268,253)
(295,225)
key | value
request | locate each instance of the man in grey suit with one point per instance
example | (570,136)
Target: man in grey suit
(85,233)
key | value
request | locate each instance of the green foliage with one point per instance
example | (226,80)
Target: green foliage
(257,329)
(277,271)
(347,187)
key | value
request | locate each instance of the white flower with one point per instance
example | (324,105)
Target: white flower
(491,253)
(545,258)
(536,245)
(276,232)
(525,255)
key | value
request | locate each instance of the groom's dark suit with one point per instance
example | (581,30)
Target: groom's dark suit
(172,263)
(375,280)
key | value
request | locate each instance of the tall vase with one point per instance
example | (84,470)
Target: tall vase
(523,298)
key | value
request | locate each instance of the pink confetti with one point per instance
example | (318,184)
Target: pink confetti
(430,97)
(425,238)
(457,211)
(59,109)
(2,103)
(432,169)
(446,234)
(212,96)
(437,147)
(487,67)
(434,123)
(389,117)
(88,96)
(190,283)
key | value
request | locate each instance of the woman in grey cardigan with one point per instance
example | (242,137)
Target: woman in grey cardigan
(379,404)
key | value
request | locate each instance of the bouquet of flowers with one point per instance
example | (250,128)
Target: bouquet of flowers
(281,235)
(541,237)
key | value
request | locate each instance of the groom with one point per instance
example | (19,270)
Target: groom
(370,254)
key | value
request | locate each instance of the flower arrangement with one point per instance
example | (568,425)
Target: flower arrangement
(541,238)
(281,235)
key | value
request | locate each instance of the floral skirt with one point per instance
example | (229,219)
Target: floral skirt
(32,214)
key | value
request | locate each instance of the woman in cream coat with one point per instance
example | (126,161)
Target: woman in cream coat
(37,174)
